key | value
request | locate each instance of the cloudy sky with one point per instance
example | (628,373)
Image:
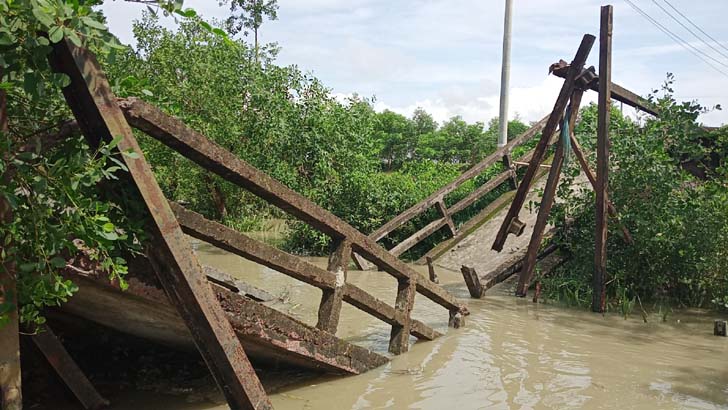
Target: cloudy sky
(444,55)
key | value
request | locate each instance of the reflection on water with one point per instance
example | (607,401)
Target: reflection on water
(512,354)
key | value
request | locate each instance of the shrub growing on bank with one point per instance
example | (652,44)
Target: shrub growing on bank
(679,221)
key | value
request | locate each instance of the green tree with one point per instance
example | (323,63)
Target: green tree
(251,16)
(423,122)
(455,142)
(515,128)
(394,134)
(277,118)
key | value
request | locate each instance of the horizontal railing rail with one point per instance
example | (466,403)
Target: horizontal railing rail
(437,197)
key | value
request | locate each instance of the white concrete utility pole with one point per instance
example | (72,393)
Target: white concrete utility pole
(505,75)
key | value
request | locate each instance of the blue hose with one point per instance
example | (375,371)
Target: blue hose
(565,136)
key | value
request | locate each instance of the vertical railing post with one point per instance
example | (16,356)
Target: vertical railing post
(399,339)
(604,108)
(431,269)
(331,299)
(445,214)
(509,166)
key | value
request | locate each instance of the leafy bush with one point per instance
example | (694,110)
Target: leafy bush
(679,222)
(58,220)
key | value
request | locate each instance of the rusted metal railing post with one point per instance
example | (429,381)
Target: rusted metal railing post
(431,270)
(605,102)
(331,299)
(472,281)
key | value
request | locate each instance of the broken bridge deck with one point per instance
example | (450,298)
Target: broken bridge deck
(266,334)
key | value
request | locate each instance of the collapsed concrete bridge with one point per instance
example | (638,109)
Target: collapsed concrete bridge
(173,299)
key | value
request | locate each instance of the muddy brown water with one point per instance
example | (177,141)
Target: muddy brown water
(511,354)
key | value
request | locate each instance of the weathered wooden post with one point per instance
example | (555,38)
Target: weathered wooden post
(330,307)
(605,102)
(10,392)
(720,327)
(472,281)
(431,270)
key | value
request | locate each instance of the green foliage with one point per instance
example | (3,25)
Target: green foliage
(679,222)
(455,142)
(23,52)
(399,139)
(277,118)
(368,200)
(197,76)
(60,223)
(396,139)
